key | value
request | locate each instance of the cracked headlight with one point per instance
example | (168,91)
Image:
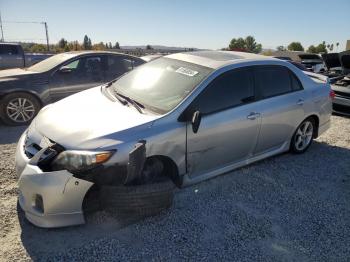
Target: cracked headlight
(75,160)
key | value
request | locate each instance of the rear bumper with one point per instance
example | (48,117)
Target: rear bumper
(341,105)
(341,101)
(49,199)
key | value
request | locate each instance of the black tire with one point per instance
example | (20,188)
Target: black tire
(31,103)
(147,199)
(293,143)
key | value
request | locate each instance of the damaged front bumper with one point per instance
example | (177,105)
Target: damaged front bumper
(49,199)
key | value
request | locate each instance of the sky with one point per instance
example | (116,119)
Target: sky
(183,23)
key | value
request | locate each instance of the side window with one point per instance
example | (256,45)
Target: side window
(296,85)
(272,80)
(117,64)
(84,69)
(231,89)
(73,65)
(8,50)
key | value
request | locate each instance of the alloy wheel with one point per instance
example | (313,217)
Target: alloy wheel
(304,135)
(20,109)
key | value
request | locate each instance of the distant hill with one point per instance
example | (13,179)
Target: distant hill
(158,47)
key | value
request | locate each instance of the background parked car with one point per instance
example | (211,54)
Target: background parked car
(13,56)
(312,62)
(24,91)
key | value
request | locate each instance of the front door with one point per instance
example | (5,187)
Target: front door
(75,76)
(229,126)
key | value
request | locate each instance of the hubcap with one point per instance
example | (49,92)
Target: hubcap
(304,135)
(20,109)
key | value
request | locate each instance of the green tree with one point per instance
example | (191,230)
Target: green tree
(295,46)
(62,43)
(237,44)
(251,45)
(248,44)
(321,48)
(38,48)
(116,46)
(87,45)
(281,48)
(312,49)
(110,45)
(149,47)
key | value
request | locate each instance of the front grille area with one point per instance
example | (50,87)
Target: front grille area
(31,148)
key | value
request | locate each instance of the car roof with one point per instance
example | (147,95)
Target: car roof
(87,52)
(217,59)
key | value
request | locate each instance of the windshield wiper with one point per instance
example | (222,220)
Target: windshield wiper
(136,104)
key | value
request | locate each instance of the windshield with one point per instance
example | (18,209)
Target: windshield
(50,63)
(161,84)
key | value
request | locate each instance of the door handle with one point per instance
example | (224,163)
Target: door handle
(253,116)
(300,102)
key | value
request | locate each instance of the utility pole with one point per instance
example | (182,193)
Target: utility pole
(2,32)
(47,36)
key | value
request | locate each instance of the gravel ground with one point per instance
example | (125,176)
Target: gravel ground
(286,208)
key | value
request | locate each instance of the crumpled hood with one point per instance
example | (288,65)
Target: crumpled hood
(15,73)
(88,120)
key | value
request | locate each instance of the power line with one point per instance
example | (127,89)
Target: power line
(28,22)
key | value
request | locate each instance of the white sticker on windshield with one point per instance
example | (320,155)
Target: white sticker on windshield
(186,71)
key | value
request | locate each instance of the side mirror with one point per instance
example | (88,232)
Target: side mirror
(65,70)
(196,121)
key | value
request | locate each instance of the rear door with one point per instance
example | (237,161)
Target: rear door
(75,76)
(10,57)
(229,126)
(281,106)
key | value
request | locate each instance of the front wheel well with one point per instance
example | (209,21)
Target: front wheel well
(170,168)
(2,96)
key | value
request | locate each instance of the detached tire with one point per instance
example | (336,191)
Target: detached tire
(19,108)
(147,199)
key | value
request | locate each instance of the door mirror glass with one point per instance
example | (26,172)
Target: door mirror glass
(196,121)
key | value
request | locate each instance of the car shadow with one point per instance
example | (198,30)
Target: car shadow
(99,224)
(10,134)
(39,241)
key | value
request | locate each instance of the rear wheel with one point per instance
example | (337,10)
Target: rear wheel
(303,136)
(19,108)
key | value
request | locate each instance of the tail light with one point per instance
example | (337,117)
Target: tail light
(331,94)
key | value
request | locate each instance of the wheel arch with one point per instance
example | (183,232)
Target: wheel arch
(171,168)
(34,94)
(316,118)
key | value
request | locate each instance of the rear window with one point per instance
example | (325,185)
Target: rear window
(8,50)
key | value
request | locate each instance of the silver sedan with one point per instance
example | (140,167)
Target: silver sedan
(190,116)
